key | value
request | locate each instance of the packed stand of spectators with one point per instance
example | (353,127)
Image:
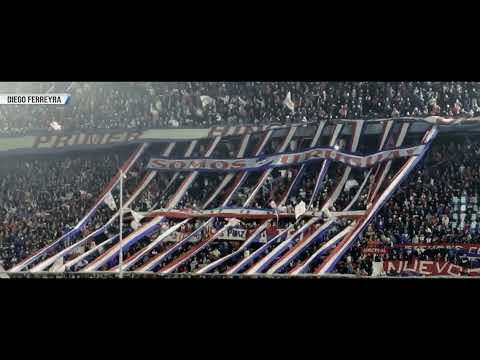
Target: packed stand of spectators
(230,241)
(212,252)
(308,253)
(437,204)
(42,198)
(199,192)
(205,104)
(196,241)
(279,181)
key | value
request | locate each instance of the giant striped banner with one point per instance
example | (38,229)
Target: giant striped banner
(331,260)
(152,225)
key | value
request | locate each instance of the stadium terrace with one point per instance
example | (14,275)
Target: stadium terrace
(356,179)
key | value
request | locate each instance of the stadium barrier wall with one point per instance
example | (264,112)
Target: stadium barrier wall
(44,141)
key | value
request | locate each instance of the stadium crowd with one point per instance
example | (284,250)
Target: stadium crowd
(205,104)
(46,201)
(436,205)
(43,197)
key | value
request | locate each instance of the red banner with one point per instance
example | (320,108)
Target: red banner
(424,267)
